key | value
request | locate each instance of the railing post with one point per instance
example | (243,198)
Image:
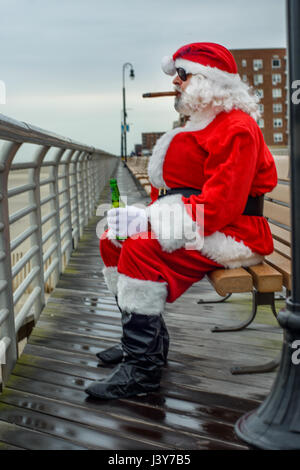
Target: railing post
(54,205)
(66,203)
(74,179)
(9,346)
(37,236)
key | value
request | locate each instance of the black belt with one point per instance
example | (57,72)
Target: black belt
(254,206)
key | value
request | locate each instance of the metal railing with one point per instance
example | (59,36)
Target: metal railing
(63,180)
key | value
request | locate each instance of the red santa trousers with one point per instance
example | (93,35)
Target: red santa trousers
(141,258)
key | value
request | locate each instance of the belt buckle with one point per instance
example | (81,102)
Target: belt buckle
(162,191)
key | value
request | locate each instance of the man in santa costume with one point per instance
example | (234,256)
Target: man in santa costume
(210,175)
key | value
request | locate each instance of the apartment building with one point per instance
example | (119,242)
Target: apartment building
(266,71)
(149,140)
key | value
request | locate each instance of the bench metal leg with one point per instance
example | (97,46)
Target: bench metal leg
(259,369)
(258,298)
(203,301)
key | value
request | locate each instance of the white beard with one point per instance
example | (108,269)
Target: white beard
(196,98)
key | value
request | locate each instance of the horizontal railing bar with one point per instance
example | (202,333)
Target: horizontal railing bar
(47,181)
(61,177)
(48,234)
(21,213)
(47,217)
(65,246)
(49,251)
(23,286)
(6,341)
(47,199)
(21,238)
(21,316)
(25,258)
(20,189)
(18,131)
(64,218)
(64,233)
(3,286)
(62,191)
(64,204)
(51,269)
(4,313)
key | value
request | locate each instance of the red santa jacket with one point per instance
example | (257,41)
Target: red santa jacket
(227,158)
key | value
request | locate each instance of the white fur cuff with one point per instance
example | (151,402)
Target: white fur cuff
(111,277)
(172,225)
(139,296)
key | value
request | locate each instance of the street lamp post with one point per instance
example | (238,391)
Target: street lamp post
(276,423)
(124,126)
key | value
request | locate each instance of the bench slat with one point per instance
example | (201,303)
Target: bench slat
(266,278)
(277,212)
(282,163)
(283,265)
(280,193)
(226,281)
(281,234)
(284,250)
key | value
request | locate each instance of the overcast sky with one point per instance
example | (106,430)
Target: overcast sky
(61,60)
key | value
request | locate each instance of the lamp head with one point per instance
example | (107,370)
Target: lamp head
(131,74)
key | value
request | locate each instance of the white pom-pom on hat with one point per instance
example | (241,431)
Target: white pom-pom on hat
(168,65)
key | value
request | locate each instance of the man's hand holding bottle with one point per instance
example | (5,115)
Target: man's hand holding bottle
(127,221)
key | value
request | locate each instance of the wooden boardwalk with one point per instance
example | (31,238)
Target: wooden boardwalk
(44,405)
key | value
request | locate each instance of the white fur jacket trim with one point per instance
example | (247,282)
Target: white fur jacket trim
(175,229)
(141,296)
(111,277)
(156,162)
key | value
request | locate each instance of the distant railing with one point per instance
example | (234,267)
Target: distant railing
(60,183)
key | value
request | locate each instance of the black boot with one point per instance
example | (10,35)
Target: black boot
(140,370)
(114,354)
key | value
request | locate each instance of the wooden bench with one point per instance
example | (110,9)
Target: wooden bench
(138,166)
(267,278)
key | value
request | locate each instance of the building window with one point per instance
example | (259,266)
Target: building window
(260,93)
(261,108)
(261,123)
(244,63)
(276,64)
(257,64)
(277,122)
(258,79)
(277,108)
(244,78)
(276,78)
(276,93)
(278,137)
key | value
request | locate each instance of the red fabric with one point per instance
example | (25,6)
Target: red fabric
(144,259)
(228,160)
(208,53)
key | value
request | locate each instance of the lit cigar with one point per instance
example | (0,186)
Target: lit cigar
(159,93)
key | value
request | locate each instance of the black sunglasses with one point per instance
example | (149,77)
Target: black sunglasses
(182,74)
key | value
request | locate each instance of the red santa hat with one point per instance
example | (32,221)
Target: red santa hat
(209,59)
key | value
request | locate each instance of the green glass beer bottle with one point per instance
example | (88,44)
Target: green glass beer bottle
(116,198)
